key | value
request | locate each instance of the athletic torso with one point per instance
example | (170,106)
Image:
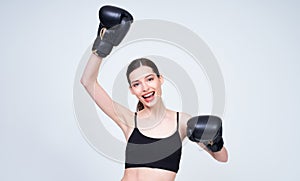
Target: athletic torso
(153,157)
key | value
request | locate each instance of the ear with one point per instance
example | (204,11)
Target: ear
(162,80)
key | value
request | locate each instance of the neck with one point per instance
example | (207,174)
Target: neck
(153,115)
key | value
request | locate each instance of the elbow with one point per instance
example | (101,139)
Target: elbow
(223,160)
(221,156)
(85,83)
(85,79)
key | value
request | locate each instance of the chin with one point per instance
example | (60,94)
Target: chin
(152,103)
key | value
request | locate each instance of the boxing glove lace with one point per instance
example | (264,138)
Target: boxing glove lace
(114,25)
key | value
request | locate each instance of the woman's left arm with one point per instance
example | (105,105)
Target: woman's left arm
(221,156)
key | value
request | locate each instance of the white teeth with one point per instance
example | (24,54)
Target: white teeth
(148,95)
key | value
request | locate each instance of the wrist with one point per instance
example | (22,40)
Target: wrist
(216,145)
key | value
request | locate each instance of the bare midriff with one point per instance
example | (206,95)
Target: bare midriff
(148,174)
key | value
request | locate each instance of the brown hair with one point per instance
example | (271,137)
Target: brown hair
(136,64)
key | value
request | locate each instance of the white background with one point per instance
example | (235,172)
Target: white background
(256,44)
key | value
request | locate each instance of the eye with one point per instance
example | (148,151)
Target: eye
(135,84)
(150,79)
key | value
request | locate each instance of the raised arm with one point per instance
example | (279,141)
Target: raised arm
(114,24)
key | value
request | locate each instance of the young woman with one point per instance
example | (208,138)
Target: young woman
(153,133)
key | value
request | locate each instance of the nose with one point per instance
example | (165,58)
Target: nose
(145,87)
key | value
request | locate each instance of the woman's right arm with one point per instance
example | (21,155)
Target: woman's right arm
(119,114)
(114,25)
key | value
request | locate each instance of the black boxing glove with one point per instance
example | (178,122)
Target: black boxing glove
(114,25)
(206,130)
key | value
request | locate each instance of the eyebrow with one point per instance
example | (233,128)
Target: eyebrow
(144,77)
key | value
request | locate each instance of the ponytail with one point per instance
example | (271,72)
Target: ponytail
(140,106)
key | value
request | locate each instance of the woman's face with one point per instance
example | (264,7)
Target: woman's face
(145,85)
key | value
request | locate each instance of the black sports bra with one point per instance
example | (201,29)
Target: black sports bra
(162,153)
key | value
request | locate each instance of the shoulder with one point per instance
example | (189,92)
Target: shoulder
(128,123)
(129,118)
(183,119)
(124,118)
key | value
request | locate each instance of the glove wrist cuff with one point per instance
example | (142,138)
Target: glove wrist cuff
(216,146)
(101,48)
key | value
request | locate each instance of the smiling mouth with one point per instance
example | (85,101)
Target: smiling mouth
(148,97)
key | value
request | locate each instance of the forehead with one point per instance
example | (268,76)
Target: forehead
(140,73)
